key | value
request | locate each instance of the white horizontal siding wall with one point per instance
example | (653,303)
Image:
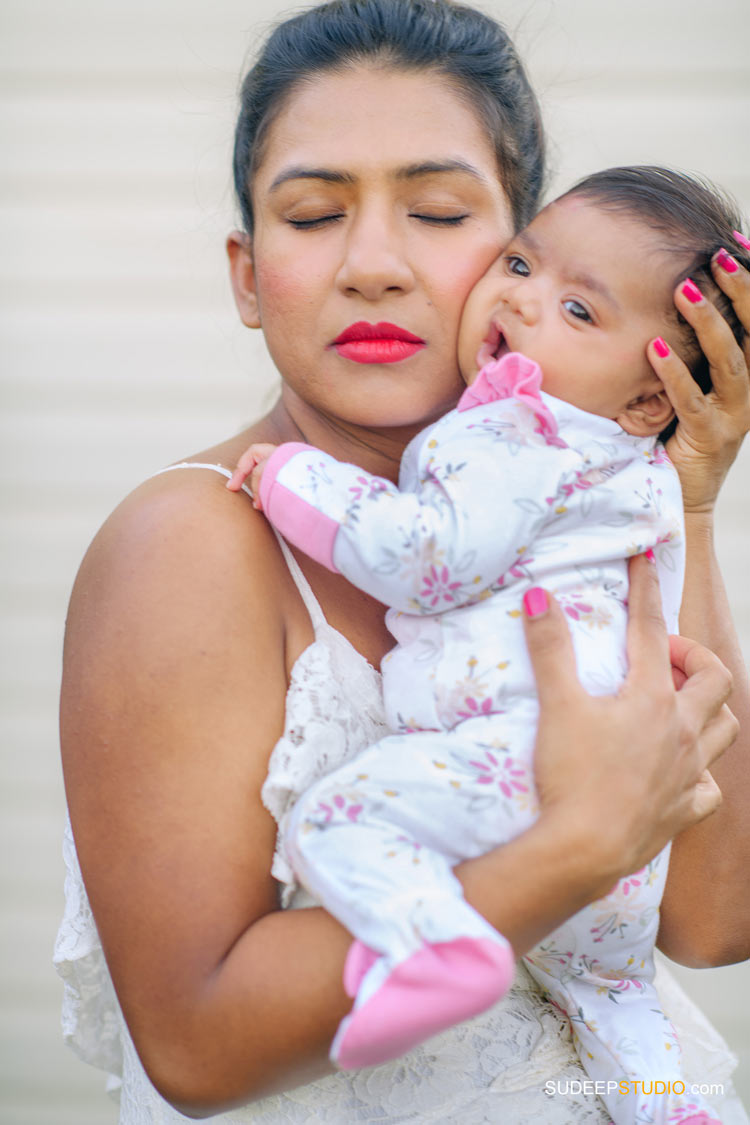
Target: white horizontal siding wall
(121,350)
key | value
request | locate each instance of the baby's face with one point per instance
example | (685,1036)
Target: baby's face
(581,291)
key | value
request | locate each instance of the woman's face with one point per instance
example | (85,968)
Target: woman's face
(377,208)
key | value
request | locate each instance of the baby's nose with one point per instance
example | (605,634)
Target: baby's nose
(523,301)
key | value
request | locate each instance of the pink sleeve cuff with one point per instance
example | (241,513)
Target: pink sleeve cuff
(297,520)
(275,463)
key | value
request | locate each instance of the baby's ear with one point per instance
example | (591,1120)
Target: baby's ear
(648,414)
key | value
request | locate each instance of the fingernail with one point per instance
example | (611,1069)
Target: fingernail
(726,261)
(692,292)
(745,242)
(535,602)
(650,555)
(661,348)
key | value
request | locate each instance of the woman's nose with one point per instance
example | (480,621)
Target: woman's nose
(375,260)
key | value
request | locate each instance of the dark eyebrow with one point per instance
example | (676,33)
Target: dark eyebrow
(408,172)
(300,172)
(438,167)
(576,277)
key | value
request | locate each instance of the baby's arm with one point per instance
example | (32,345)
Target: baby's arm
(251,464)
(479,500)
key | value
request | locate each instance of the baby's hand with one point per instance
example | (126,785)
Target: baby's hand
(251,463)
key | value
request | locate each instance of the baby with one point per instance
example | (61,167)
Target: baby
(518,487)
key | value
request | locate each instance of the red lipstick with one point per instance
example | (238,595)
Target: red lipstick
(376,343)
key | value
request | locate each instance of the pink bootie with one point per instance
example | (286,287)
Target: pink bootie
(437,987)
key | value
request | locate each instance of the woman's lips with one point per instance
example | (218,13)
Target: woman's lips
(376,343)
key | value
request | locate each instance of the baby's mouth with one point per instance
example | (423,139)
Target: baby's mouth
(493,347)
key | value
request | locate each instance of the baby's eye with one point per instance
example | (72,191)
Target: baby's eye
(517,266)
(576,309)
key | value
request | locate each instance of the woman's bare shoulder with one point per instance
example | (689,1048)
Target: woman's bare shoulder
(175,649)
(178,532)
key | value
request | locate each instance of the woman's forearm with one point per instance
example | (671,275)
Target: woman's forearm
(279,990)
(706,907)
(561,868)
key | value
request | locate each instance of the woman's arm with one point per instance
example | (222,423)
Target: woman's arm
(176,665)
(706,907)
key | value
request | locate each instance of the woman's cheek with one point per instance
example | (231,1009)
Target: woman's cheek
(281,286)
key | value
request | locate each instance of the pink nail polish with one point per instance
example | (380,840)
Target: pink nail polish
(745,242)
(692,292)
(535,602)
(726,261)
(650,555)
(661,348)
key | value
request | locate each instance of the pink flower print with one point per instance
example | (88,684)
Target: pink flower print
(548,957)
(505,774)
(689,1111)
(474,708)
(367,487)
(342,804)
(520,568)
(575,609)
(632,881)
(437,585)
(658,455)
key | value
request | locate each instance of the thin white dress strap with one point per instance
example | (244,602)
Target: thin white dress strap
(201,465)
(312,604)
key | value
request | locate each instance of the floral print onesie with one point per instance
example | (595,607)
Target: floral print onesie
(513,488)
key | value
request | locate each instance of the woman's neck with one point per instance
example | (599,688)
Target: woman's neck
(378,451)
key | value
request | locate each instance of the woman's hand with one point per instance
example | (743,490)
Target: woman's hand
(617,776)
(630,769)
(711,427)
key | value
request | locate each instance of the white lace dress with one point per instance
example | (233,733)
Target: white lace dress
(513,1064)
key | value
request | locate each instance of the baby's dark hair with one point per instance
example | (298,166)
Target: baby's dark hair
(696,219)
(465,46)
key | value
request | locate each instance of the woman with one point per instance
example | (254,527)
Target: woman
(385,152)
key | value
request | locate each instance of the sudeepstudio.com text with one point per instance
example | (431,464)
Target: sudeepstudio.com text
(588,1087)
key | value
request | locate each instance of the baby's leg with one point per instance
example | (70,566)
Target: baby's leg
(598,967)
(376,842)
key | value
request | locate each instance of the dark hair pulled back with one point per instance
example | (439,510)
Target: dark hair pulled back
(468,47)
(695,218)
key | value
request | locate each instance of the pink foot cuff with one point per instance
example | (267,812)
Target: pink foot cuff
(359,961)
(437,987)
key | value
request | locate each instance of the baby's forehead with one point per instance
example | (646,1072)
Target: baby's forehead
(586,238)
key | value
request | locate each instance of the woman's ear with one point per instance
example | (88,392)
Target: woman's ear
(239,251)
(648,414)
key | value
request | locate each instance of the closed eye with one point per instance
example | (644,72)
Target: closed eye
(439,220)
(312,224)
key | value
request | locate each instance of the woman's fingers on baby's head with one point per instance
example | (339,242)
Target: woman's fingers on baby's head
(731,271)
(682,390)
(727,360)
